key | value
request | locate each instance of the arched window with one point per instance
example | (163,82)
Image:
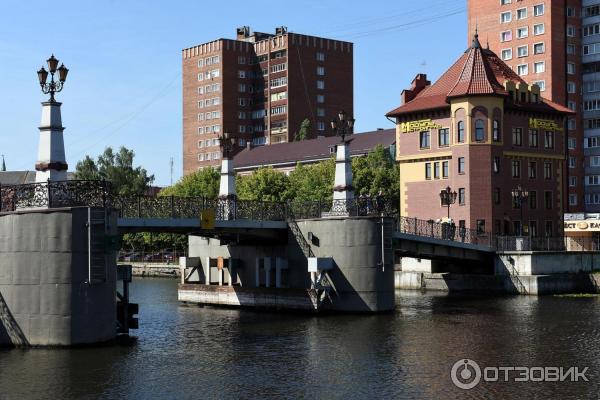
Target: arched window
(460,128)
(496,133)
(479,132)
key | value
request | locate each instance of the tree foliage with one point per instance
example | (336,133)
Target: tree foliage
(304,131)
(312,182)
(377,171)
(202,183)
(116,168)
(264,184)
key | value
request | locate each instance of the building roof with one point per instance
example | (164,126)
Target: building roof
(21,177)
(477,72)
(310,150)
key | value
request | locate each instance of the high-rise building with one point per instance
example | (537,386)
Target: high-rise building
(541,41)
(259,88)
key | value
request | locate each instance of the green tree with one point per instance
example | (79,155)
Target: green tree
(204,182)
(377,171)
(304,131)
(312,182)
(264,184)
(118,169)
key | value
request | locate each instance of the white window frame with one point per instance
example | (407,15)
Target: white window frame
(509,32)
(535,45)
(503,14)
(535,10)
(526,69)
(520,10)
(509,53)
(519,48)
(523,29)
(539,63)
(535,33)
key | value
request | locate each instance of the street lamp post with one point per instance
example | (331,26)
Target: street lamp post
(343,191)
(51,163)
(519,196)
(227,184)
(448,197)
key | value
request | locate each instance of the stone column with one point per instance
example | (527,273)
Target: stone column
(343,189)
(227,196)
(280,265)
(51,163)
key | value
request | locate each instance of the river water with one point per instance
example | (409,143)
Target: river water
(188,352)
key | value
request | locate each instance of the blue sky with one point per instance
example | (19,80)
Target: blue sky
(124,84)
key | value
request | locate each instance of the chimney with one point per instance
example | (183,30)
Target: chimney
(418,84)
(243,32)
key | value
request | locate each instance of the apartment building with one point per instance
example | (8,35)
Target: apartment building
(259,88)
(541,41)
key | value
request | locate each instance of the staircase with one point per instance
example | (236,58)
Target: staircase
(322,286)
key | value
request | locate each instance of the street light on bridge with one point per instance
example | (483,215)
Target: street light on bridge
(448,197)
(343,125)
(52,86)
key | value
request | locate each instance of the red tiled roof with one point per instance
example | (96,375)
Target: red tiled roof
(310,150)
(477,72)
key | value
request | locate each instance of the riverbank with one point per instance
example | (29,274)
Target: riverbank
(154,270)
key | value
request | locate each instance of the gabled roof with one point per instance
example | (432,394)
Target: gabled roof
(312,150)
(477,72)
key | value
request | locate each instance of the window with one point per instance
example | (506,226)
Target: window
(571,68)
(548,228)
(532,170)
(496,165)
(516,169)
(533,138)
(242,114)
(320,98)
(532,199)
(549,140)
(427,170)
(278,82)
(570,31)
(496,195)
(201,76)
(522,51)
(506,54)
(571,124)
(592,48)
(517,134)
(200,130)
(572,181)
(201,157)
(547,170)
(444,137)
(277,110)
(496,131)
(200,63)
(479,130)
(242,101)
(538,10)
(541,85)
(461,196)
(424,140)
(445,169)
(572,105)
(522,32)
(461,165)
(460,127)
(242,88)
(436,170)
(242,74)
(539,67)
(548,200)
(320,84)
(570,12)
(595,161)
(591,30)
(593,198)
(571,49)
(201,90)
(481,226)
(521,13)
(505,17)
(320,125)
(538,29)
(320,112)
(278,67)
(320,56)
(522,69)
(572,199)
(592,180)
(506,36)
(591,142)
(571,87)
(279,96)
(320,71)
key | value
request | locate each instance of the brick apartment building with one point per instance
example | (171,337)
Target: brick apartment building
(483,131)
(259,88)
(541,41)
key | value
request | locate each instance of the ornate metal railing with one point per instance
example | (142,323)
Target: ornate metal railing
(53,194)
(444,231)
(376,206)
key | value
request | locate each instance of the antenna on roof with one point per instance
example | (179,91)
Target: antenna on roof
(487,42)
(3,164)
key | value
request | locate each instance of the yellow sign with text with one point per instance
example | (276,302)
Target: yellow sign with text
(418,126)
(207,219)
(546,124)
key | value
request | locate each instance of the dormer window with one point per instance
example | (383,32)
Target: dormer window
(523,97)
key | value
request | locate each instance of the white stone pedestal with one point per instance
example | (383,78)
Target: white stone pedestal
(51,163)
(227,194)
(343,189)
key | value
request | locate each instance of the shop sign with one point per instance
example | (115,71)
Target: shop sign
(418,126)
(582,226)
(545,124)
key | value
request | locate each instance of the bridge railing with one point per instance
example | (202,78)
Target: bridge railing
(443,231)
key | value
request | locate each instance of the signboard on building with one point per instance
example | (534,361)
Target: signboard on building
(582,226)
(418,126)
(545,124)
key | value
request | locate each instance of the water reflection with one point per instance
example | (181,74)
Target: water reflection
(192,352)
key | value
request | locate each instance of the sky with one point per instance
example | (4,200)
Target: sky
(124,57)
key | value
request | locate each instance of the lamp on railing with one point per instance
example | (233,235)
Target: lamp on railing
(519,196)
(448,197)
